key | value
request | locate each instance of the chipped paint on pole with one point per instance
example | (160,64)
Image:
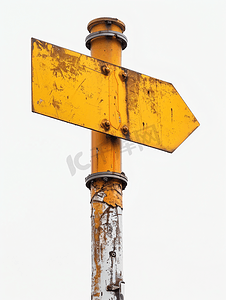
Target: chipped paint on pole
(107,250)
(106,231)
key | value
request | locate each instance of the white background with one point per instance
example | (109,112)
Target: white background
(174,205)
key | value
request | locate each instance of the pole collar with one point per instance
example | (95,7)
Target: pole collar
(106,176)
(108,33)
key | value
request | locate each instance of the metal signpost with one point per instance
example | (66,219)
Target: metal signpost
(116,103)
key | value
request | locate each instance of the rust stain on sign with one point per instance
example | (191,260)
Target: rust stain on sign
(76,89)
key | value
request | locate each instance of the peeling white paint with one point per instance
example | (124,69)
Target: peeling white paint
(107,249)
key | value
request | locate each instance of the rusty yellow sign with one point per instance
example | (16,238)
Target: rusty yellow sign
(88,92)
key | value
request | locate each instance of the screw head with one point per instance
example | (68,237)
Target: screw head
(123,75)
(105,70)
(125,130)
(112,253)
(106,124)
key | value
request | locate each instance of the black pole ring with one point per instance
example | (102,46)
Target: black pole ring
(108,33)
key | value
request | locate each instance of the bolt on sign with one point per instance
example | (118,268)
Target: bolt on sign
(94,94)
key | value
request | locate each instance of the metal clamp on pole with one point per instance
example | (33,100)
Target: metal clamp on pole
(106,176)
(108,33)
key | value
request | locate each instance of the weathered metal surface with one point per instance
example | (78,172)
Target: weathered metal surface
(102,96)
(107,250)
(77,89)
(110,191)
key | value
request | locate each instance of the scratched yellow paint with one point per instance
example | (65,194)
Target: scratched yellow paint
(111,191)
(72,87)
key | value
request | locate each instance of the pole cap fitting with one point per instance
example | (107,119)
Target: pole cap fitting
(109,27)
(108,21)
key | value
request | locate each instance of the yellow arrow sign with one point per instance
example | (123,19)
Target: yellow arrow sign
(88,92)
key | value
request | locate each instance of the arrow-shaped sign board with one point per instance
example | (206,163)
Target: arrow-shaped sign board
(88,92)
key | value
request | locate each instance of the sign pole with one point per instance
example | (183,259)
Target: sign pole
(114,102)
(106,181)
